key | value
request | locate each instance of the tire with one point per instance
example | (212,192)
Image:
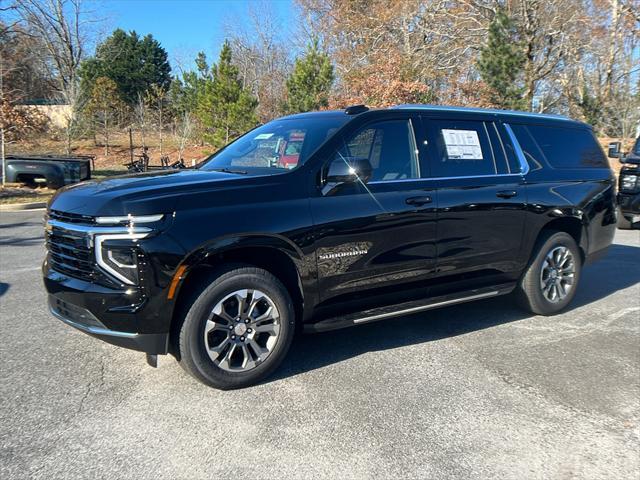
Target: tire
(539,284)
(237,353)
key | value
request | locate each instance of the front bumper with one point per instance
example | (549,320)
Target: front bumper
(83,320)
(117,317)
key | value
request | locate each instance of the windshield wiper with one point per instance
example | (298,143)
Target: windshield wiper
(230,170)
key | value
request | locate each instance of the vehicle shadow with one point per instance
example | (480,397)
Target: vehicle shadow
(19,224)
(21,241)
(618,270)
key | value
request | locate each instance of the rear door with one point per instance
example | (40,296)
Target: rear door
(380,233)
(481,199)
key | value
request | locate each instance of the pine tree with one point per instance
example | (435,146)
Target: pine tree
(310,82)
(132,62)
(225,109)
(501,63)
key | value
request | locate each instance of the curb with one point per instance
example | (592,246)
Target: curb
(18,207)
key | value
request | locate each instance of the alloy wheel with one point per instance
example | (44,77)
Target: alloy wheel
(242,330)
(557,274)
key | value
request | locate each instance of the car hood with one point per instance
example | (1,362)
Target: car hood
(144,193)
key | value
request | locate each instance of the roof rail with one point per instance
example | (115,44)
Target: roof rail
(356,109)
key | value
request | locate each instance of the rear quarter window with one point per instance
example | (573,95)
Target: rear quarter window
(568,147)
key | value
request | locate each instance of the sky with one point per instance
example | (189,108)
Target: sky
(184,27)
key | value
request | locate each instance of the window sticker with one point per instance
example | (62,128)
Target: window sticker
(462,144)
(263,136)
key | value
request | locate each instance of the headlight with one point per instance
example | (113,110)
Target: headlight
(628,182)
(118,255)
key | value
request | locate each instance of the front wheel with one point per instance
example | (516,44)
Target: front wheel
(238,330)
(549,282)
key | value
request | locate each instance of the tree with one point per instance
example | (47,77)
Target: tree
(225,108)
(15,120)
(63,29)
(183,132)
(104,105)
(501,63)
(141,116)
(262,51)
(310,82)
(157,97)
(133,63)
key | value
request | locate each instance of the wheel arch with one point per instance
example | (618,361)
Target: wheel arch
(571,225)
(272,253)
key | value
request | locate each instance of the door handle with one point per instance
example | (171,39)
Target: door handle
(506,193)
(418,201)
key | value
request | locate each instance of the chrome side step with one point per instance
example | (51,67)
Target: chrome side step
(408,308)
(426,307)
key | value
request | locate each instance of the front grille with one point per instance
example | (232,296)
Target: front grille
(69,253)
(71,217)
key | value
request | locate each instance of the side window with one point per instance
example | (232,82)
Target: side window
(532,154)
(568,147)
(389,146)
(460,148)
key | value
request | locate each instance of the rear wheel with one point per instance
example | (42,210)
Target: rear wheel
(238,330)
(549,283)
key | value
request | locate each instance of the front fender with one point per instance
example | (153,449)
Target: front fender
(234,247)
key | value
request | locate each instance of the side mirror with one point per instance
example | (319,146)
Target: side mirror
(614,150)
(349,170)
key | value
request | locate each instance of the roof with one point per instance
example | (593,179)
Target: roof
(443,108)
(440,108)
(319,113)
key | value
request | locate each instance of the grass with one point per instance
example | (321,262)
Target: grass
(41,197)
(13,195)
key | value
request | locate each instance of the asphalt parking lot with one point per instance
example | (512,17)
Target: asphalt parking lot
(480,390)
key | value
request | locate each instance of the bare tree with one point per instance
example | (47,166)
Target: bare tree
(141,115)
(64,30)
(157,98)
(262,52)
(15,120)
(183,132)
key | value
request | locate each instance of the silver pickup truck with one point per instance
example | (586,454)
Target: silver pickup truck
(54,170)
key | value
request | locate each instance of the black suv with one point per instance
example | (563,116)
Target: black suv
(629,185)
(374,214)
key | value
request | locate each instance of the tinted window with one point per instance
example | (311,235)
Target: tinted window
(532,153)
(636,149)
(568,147)
(390,148)
(461,148)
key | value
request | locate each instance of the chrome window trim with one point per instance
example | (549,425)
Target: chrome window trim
(524,165)
(498,175)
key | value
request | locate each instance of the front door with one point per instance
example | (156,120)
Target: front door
(379,233)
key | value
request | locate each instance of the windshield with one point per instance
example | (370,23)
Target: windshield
(282,144)
(636,148)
